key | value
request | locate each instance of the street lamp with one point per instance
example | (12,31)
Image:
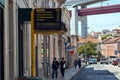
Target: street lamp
(86,44)
(85,49)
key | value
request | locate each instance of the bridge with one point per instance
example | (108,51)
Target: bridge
(99,10)
(81,14)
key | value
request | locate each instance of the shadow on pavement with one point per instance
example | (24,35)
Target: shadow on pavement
(91,74)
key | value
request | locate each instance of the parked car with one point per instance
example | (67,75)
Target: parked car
(115,62)
(103,60)
(83,59)
(111,59)
(92,61)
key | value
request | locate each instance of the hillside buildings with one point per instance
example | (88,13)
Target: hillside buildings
(109,46)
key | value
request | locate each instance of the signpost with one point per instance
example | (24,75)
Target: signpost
(44,21)
(69,48)
(33,69)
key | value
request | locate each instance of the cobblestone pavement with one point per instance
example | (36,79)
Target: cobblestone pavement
(69,73)
(98,72)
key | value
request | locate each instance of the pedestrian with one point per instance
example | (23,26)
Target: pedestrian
(75,63)
(62,67)
(79,63)
(55,66)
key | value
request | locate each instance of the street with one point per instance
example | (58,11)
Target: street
(98,72)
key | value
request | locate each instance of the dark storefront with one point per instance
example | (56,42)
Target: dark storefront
(1,45)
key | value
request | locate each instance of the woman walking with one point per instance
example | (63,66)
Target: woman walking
(62,67)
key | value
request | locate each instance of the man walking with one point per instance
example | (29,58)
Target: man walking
(55,66)
(75,63)
(79,63)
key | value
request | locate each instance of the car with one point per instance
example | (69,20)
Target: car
(92,61)
(103,61)
(111,59)
(83,60)
(115,62)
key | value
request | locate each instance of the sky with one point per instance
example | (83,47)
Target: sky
(97,23)
(104,21)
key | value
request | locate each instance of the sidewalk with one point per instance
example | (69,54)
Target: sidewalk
(69,73)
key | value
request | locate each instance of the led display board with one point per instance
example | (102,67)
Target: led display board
(47,19)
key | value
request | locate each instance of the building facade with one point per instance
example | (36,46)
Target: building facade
(111,47)
(17,38)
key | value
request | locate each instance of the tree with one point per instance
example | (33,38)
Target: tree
(106,36)
(90,49)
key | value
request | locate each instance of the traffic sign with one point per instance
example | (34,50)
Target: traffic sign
(69,48)
(116,52)
(67,44)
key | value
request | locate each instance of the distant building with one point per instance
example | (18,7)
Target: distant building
(88,38)
(106,31)
(110,46)
(116,32)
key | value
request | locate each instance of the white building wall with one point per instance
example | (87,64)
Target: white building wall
(27,37)
(20,4)
(6,42)
(15,34)
(74,21)
(10,45)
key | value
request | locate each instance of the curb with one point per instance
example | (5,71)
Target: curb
(78,72)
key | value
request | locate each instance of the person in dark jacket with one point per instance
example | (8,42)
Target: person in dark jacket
(62,66)
(55,66)
(75,63)
(79,63)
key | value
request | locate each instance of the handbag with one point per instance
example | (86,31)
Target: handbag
(64,65)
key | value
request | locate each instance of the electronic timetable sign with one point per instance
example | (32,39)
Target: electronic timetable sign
(47,19)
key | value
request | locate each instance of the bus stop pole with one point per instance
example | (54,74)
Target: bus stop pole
(33,71)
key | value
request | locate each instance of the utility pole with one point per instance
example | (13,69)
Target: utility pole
(85,49)
(85,45)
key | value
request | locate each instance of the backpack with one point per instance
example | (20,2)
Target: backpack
(55,65)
